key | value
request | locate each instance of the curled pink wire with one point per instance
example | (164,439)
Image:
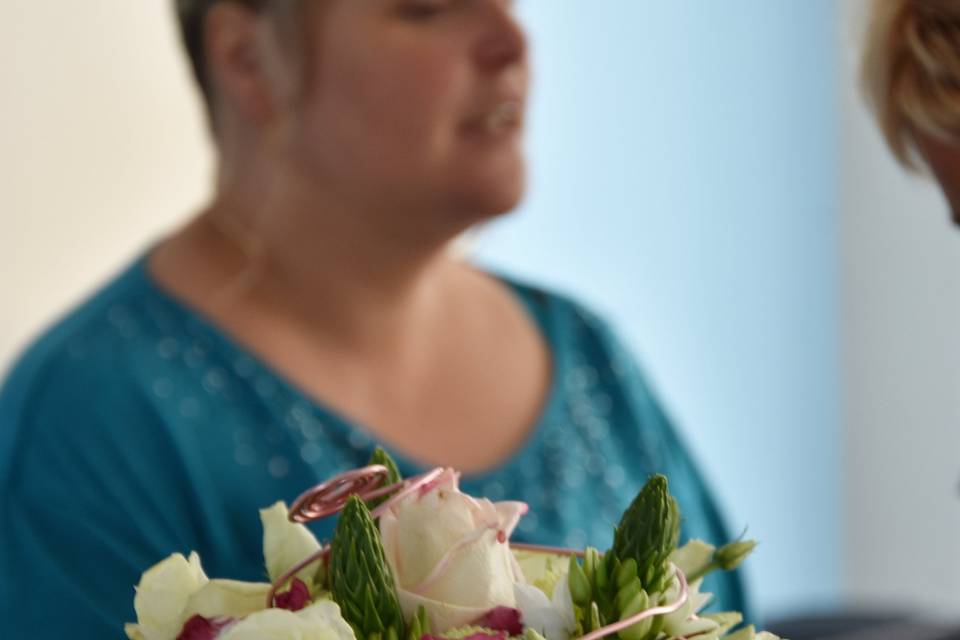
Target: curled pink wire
(662,610)
(329,498)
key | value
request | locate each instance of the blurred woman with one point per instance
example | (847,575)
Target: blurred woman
(912,78)
(313,309)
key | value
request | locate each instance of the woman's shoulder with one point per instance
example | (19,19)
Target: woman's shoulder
(86,353)
(568,321)
(589,352)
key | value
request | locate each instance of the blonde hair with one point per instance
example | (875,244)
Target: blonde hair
(911,71)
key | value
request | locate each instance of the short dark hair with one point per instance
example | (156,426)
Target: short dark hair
(191,15)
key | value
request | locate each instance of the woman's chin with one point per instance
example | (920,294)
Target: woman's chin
(492,195)
(487,205)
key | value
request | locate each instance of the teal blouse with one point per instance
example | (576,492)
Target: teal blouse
(135,428)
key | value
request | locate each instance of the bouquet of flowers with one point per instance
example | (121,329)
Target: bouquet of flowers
(417,559)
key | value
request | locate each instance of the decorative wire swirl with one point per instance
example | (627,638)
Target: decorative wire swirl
(329,498)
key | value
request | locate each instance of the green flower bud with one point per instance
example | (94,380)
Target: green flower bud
(580,590)
(626,594)
(381,457)
(648,533)
(595,621)
(639,602)
(640,630)
(729,556)
(590,558)
(424,620)
(361,581)
(625,573)
(600,578)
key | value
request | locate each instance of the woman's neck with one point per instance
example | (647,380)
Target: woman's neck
(329,273)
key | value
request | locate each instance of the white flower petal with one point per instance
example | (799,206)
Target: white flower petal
(509,514)
(542,569)
(563,602)
(427,527)
(443,616)
(542,615)
(227,599)
(478,575)
(286,543)
(163,593)
(684,621)
(693,557)
(532,603)
(319,621)
(695,626)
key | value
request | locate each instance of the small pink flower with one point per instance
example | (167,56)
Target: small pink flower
(296,598)
(505,619)
(199,628)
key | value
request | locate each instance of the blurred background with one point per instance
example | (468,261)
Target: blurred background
(704,173)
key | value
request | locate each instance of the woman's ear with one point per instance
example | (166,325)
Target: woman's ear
(236,62)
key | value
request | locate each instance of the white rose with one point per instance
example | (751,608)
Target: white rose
(163,594)
(449,552)
(319,621)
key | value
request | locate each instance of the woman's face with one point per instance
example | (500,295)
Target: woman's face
(414,105)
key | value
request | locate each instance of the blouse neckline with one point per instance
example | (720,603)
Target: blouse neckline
(274,385)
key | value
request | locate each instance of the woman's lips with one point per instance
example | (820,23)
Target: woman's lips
(507,115)
(503,117)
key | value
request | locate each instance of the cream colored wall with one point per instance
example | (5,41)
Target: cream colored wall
(103,148)
(901,306)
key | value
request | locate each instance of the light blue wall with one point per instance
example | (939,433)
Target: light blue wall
(684,159)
